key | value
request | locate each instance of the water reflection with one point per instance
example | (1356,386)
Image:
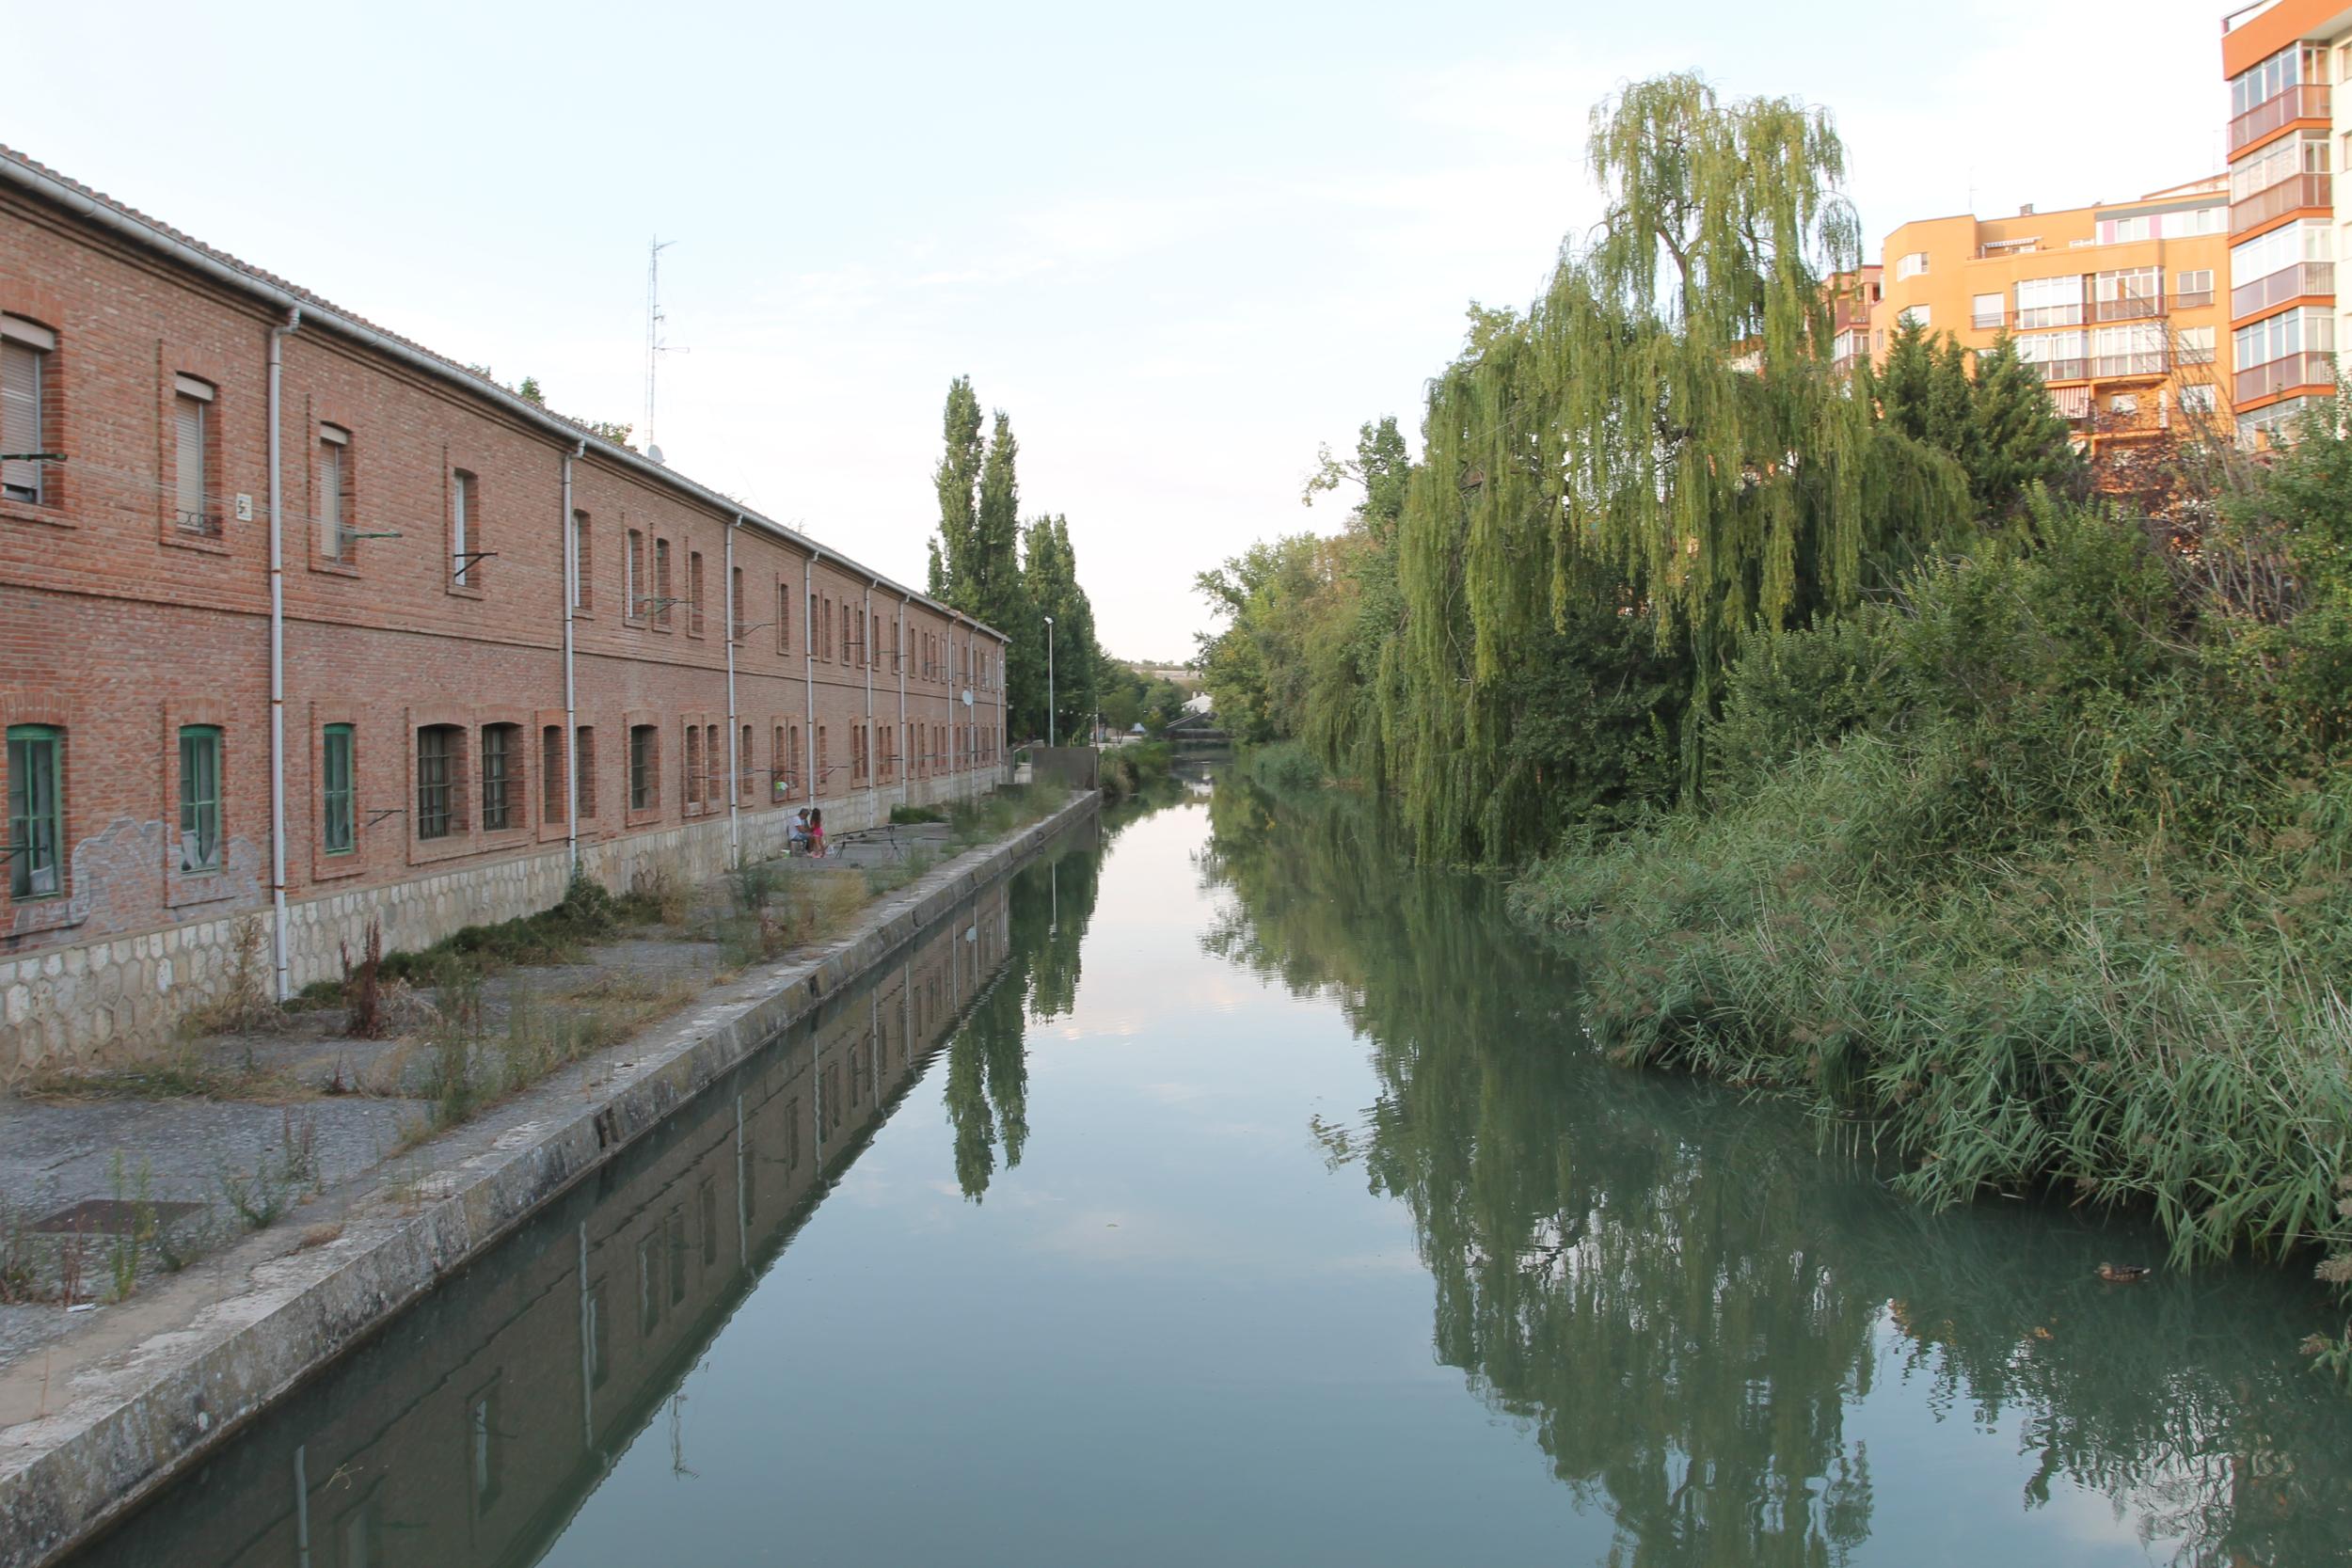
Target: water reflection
(988,1065)
(1692,1307)
(472,1430)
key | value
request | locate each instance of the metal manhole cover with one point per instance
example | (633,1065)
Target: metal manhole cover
(111,1216)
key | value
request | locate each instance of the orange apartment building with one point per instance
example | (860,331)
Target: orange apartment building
(2280,58)
(2121,305)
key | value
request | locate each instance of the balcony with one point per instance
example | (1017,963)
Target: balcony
(2116,366)
(2297,191)
(2279,376)
(2048,315)
(1989,321)
(2192,299)
(2063,370)
(2306,102)
(2263,293)
(2131,309)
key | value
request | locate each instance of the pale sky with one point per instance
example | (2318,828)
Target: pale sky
(1180,245)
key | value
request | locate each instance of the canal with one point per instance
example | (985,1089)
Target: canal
(1213,1190)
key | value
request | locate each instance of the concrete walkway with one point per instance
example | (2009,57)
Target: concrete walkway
(323,1135)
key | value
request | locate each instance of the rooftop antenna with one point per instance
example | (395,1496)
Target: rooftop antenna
(655,347)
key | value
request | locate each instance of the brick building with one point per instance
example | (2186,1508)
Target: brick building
(301,621)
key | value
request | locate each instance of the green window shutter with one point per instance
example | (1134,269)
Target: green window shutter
(341,827)
(36,811)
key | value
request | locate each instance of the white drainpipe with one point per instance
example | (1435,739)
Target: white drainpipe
(277,659)
(865,635)
(571,687)
(734,765)
(899,648)
(808,666)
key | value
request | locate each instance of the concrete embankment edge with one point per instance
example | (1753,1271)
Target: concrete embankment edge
(128,1423)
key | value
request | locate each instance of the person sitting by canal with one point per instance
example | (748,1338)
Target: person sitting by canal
(817,833)
(796,832)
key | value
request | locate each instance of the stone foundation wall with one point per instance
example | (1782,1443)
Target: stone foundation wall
(121,1000)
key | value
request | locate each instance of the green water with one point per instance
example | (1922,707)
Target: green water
(1217,1191)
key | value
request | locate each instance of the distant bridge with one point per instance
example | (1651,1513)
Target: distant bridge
(1198,729)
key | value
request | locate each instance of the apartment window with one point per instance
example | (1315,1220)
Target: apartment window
(2305,331)
(334,491)
(2192,291)
(662,598)
(2264,82)
(192,449)
(695,592)
(1911,265)
(2277,163)
(2059,356)
(743,769)
(734,606)
(2196,345)
(2137,349)
(714,766)
(849,633)
(337,819)
(873,644)
(633,577)
(36,811)
(2128,293)
(823,768)
(897,645)
(199,798)
(693,766)
(644,767)
(1920,316)
(2198,400)
(1986,311)
(784,617)
(501,764)
(780,764)
(2280,249)
(24,351)
(550,773)
(439,754)
(584,769)
(824,625)
(583,592)
(2050,302)
(792,759)
(465,544)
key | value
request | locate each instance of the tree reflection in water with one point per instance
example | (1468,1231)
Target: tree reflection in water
(988,1068)
(1681,1293)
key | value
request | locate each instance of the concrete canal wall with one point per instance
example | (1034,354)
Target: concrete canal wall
(172,1385)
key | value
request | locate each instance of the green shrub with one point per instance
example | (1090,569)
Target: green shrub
(2011,876)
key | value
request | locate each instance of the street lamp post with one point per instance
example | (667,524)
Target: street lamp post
(1049,682)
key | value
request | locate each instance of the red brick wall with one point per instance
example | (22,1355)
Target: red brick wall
(120,626)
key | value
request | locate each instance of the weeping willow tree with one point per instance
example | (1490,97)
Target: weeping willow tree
(1660,427)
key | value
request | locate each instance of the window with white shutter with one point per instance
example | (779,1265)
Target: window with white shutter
(24,351)
(334,491)
(191,421)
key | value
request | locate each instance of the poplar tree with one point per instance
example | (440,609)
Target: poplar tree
(958,481)
(991,591)
(1050,570)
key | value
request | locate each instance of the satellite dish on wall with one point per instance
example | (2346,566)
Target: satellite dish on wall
(655,452)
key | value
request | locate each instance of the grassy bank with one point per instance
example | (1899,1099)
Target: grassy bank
(2021,886)
(1131,770)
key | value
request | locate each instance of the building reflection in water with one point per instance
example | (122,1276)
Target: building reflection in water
(473,1429)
